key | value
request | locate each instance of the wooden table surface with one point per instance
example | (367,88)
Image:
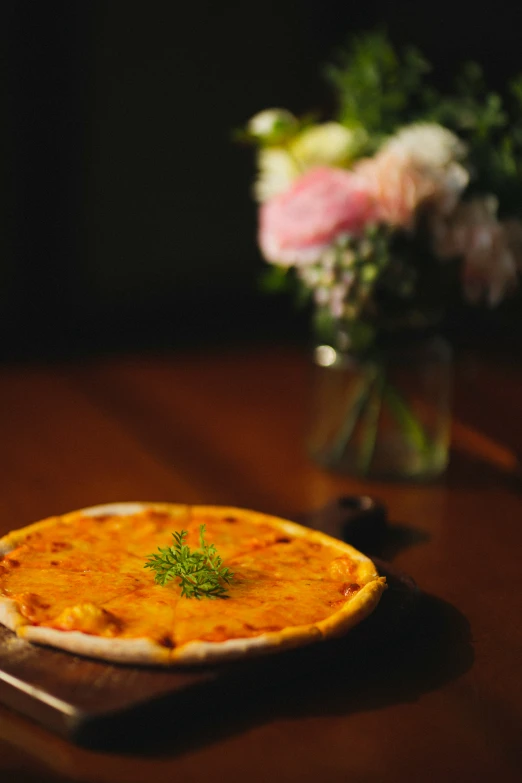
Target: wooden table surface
(442,704)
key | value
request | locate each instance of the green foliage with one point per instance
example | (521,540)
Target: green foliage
(491,125)
(375,85)
(381,89)
(367,289)
(274,279)
(200,572)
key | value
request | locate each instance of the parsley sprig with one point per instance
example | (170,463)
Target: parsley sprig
(200,572)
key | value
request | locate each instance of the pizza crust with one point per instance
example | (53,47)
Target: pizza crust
(147,651)
(107,648)
(10,616)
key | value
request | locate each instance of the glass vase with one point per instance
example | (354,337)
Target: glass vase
(386,416)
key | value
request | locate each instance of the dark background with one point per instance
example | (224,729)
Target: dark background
(126,213)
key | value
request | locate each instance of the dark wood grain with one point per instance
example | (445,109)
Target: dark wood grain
(443,701)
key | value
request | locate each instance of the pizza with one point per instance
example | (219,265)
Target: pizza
(78,582)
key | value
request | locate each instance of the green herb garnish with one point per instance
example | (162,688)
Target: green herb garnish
(200,572)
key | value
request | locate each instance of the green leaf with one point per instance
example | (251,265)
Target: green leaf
(201,573)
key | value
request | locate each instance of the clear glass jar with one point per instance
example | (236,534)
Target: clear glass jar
(388,416)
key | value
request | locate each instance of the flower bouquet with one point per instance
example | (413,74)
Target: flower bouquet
(381,216)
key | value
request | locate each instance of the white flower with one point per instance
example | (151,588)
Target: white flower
(338,295)
(276,171)
(328,144)
(310,275)
(435,151)
(426,145)
(271,122)
(321,296)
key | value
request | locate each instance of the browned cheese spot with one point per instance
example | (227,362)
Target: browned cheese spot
(167,641)
(58,546)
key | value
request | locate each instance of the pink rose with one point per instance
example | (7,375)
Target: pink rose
(397,187)
(297,226)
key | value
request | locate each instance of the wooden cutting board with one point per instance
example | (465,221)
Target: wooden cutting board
(94,703)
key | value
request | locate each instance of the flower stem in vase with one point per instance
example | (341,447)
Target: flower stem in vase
(353,415)
(409,424)
(370,422)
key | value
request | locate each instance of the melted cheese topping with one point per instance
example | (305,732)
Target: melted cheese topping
(86,573)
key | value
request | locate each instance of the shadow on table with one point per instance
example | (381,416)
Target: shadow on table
(398,538)
(412,644)
(467,471)
(362,521)
(369,669)
(345,677)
